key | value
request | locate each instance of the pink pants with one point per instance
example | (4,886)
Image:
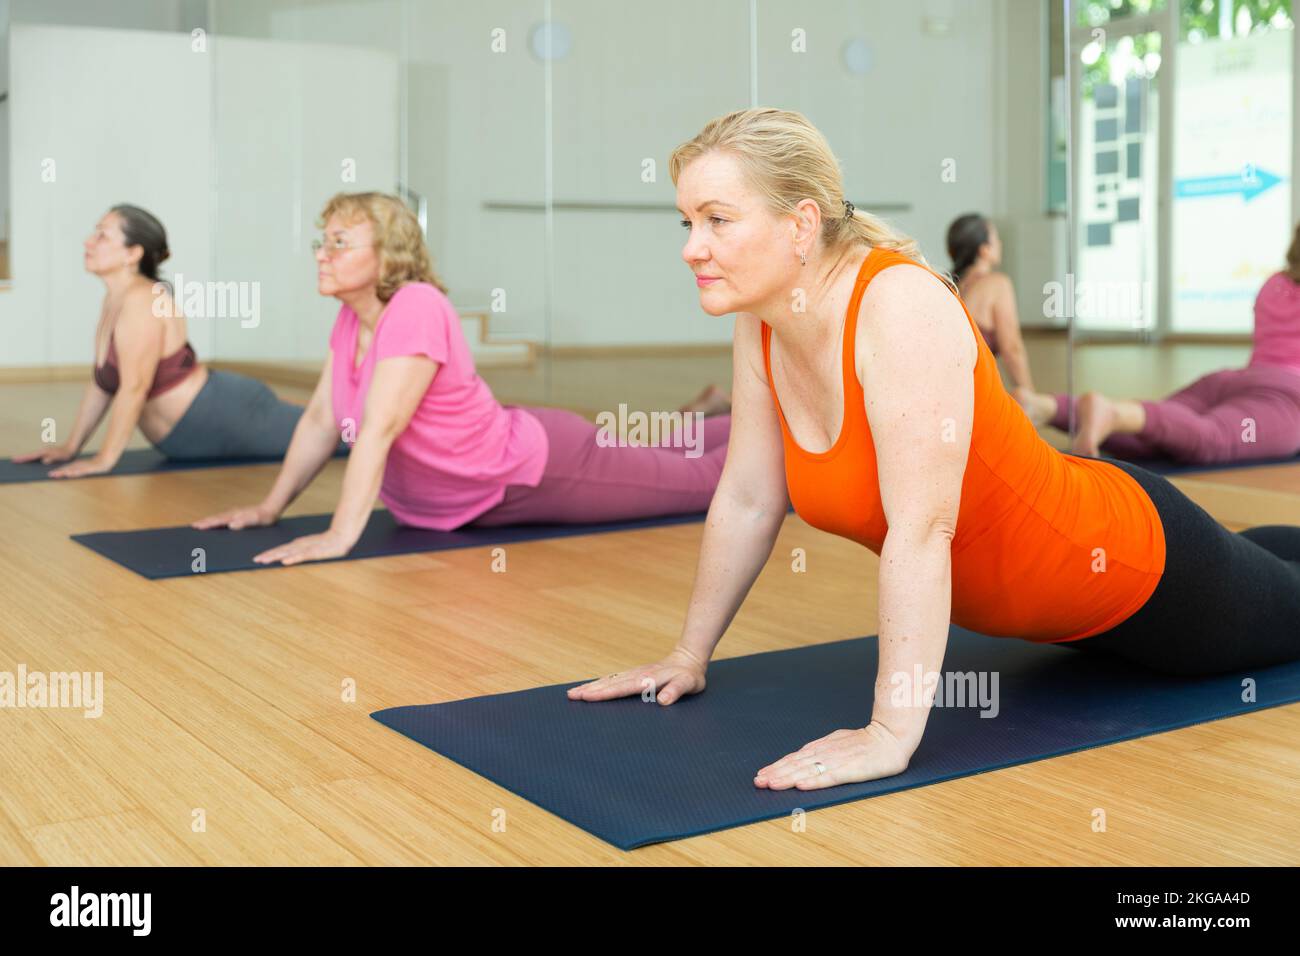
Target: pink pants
(1203,423)
(584,482)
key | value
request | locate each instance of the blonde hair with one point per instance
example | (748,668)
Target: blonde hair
(1293,256)
(403,257)
(787,160)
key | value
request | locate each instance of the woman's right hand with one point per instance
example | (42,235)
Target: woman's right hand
(248,516)
(679,674)
(49,456)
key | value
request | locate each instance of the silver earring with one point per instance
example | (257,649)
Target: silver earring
(803,260)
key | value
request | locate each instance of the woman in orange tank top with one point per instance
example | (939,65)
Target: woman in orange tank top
(864,392)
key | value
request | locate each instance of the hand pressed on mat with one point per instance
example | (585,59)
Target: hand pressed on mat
(87,466)
(312,547)
(245,516)
(845,756)
(48,456)
(679,674)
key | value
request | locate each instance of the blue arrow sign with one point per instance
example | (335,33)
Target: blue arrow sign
(1249,183)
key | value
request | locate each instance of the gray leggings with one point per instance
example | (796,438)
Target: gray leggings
(233,416)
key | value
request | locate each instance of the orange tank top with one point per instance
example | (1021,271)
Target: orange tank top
(1049,547)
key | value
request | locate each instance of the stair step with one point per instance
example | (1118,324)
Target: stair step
(492,353)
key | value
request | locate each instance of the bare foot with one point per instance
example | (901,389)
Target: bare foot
(1039,407)
(711,401)
(1096,423)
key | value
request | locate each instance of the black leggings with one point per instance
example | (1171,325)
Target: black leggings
(1227,601)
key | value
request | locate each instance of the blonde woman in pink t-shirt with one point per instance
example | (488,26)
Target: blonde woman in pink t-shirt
(1235,414)
(428,437)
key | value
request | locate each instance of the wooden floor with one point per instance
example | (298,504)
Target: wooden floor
(224,694)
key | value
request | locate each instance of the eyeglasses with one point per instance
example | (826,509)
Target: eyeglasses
(332,247)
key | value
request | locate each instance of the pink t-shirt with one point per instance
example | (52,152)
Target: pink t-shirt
(461,448)
(1277,323)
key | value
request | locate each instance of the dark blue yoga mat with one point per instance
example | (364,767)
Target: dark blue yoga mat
(1165,467)
(169,552)
(635,773)
(135,461)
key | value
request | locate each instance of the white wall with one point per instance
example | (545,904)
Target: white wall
(474,129)
(136,133)
(474,132)
(291,121)
(168,15)
(639,80)
(5,13)
(1034,243)
(142,132)
(5,216)
(927,99)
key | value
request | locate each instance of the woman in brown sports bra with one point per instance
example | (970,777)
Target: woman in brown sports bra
(146,368)
(975,249)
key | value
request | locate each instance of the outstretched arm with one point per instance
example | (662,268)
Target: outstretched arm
(1006,325)
(138,338)
(916,358)
(314,440)
(396,388)
(748,506)
(920,402)
(745,516)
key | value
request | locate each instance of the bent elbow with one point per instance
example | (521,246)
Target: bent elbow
(753,508)
(132,390)
(943,528)
(382,434)
(923,531)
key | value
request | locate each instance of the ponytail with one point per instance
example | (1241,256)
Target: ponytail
(142,228)
(862,226)
(966,235)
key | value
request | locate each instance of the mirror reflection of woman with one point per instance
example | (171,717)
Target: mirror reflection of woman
(1236,414)
(147,372)
(976,252)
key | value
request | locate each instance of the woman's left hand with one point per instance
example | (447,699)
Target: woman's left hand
(847,756)
(312,547)
(79,469)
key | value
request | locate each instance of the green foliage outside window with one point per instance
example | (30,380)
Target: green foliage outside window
(1198,20)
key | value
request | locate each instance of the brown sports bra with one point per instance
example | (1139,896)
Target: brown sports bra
(171,371)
